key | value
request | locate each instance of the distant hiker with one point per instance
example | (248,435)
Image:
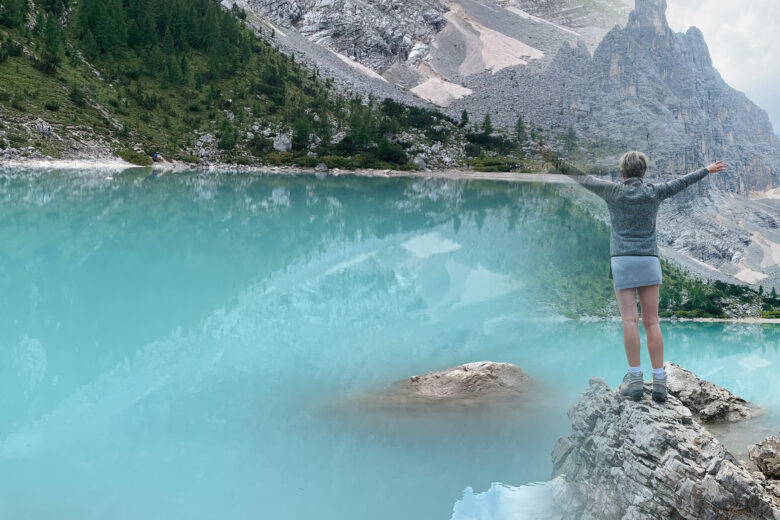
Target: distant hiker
(634,265)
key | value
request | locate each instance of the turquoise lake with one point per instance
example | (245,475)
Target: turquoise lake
(198,346)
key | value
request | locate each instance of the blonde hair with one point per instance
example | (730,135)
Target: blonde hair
(633,164)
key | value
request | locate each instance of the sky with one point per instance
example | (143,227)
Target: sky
(744,42)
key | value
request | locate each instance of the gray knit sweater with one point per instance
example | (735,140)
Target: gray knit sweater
(633,207)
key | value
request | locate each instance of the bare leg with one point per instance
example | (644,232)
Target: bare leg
(648,299)
(626,299)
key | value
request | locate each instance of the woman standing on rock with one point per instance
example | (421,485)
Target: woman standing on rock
(634,265)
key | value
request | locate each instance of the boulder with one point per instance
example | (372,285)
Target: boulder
(419,161)
(282,143)
(707,401)
(644,460)
(766,455)
(321,168)
(469,380)
(42,127)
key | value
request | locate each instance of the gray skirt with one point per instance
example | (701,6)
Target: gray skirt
(627,272)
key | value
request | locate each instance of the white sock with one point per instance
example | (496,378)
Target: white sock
(635,370)
(659,372)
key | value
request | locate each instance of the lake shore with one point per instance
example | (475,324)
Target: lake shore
(164,167)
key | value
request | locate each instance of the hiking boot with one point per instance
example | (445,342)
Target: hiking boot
(659,388)
(632,386)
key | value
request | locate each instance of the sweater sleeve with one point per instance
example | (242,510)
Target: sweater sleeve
(600,187)
(669,188)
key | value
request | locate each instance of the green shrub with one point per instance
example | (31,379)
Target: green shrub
(306,162)
(260,145)
(391,152)
(77,96)
(774,314)
(18,103)
(52,105)
(227,136)
(134,157)
(337,161)
(493,164)
(280,158)
(17,140)
(14,48)
(190,159)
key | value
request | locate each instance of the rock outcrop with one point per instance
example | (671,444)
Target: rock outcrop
(469,380)
(642,460)
(482,383)
(707,401)
(766,455)
(376,33)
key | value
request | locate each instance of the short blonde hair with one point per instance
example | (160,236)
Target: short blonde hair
(633,164)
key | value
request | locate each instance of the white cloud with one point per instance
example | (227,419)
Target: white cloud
(743,41)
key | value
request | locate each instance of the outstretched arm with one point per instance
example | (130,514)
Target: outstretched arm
(600,187)
(669,188)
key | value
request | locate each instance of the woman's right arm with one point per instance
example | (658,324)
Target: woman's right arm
(669,188)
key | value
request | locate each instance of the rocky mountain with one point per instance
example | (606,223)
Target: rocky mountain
(609,77)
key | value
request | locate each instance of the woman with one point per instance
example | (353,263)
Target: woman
(634,265)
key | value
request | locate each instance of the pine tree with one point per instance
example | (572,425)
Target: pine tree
(487,125)
(464,118)
(227,136)
(14,12)
(301,131)
(520,132)
(53,6)
(52,45)
(570,139)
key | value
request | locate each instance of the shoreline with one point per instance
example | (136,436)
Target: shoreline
(115,164)
(759,321)
(746,320)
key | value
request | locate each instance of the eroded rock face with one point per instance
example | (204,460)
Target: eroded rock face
(469,380)
(707,401)
(642,460)
(377,33)
(766,455)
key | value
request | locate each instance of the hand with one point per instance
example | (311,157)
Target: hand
(717,167)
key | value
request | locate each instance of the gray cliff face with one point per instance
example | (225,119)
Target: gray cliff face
(645,88)
(635,460)
(376,33)
(577,13)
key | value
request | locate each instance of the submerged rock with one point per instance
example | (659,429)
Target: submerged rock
(766,455)
(637,460)
(469,380)
(707,401)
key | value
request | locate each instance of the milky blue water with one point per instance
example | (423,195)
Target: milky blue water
(198,347)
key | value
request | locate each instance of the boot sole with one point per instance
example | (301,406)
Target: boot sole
(659,398)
